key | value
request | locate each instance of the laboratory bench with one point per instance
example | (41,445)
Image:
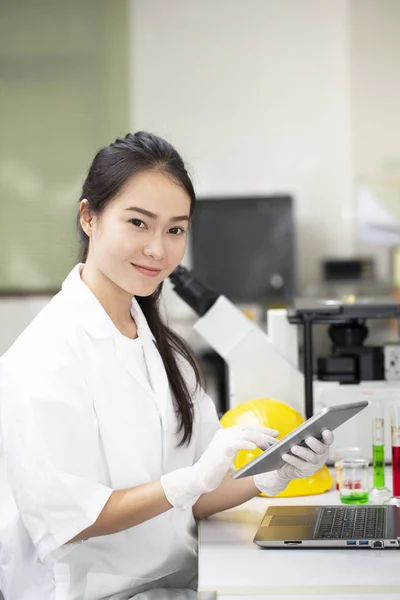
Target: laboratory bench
(232,567)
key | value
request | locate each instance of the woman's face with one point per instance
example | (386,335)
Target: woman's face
(140,237)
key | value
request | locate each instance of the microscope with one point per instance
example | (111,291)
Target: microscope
(259,365)
(266,364)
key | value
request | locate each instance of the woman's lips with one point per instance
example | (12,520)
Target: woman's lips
(147,272)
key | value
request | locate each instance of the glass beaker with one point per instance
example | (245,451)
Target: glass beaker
(354,480)
(341,454)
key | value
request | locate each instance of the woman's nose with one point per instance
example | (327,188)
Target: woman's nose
(155,248)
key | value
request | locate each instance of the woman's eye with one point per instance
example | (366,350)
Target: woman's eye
(177,230)
(137,222)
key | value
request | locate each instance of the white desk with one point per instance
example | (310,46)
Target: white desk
(231,566)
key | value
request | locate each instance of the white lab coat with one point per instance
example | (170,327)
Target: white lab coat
(79,420)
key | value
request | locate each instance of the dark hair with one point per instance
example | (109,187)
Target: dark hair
(111,168)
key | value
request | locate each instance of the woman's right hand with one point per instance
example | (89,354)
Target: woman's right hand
(183,487)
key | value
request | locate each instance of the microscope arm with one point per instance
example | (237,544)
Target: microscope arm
(257,368)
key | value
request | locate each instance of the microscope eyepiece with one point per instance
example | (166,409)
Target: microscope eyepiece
(192,291)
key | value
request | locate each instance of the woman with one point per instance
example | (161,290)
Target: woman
(110,447)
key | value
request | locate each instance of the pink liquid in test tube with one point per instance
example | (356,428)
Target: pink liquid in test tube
(396,470)
(395,427)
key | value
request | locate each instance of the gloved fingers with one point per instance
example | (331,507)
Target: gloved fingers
(294,461)
(228,441)
(252,432)
(266,443)
(260,429)
(234,447)
(316,445)
(249,440)
(262,440)
(243,445)
(306,454)
(327,437)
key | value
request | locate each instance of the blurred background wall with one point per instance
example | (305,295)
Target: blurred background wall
(64,93)
(257,97)
(260,97)
(375,116)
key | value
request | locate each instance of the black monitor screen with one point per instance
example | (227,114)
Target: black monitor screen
(243,247)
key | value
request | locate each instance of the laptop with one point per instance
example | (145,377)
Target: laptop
(336,526)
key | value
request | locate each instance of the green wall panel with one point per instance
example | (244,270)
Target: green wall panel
(64,93)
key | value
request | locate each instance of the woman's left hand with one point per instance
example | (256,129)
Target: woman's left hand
(307,461)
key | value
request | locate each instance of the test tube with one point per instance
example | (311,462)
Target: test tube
(395,428)
(379,493)
(378,449)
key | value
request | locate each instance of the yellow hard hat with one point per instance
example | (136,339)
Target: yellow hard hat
(276,415)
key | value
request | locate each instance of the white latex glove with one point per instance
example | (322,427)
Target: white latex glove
(183,487)
(306,463)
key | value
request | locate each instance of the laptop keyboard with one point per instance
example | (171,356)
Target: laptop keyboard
(344,523)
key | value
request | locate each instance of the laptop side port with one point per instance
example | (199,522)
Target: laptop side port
(363,543)
(377,544)
(351,542)
(293,542)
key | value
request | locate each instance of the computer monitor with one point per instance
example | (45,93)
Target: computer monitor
(242,247)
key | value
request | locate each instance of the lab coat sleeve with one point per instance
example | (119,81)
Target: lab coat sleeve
(50,456)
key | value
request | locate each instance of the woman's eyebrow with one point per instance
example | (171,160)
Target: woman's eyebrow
(151,215)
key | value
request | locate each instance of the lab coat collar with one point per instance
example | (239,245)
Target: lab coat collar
(92,315)
(98,324)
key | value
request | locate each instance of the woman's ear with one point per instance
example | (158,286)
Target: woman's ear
(85,217)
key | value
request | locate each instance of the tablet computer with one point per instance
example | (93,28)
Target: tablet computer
(330,417)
